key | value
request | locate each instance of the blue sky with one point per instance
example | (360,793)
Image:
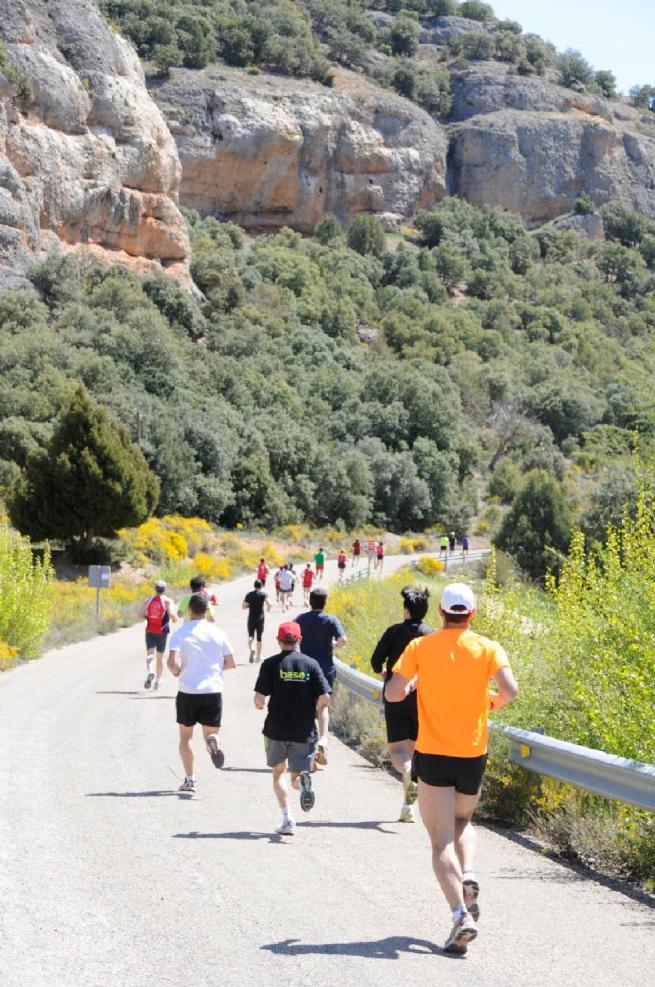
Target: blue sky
(617,36)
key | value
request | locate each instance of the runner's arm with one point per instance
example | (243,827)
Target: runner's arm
(169,607)
(260,701)
(397,688)
(228,662)
(172,663)
(508,689)
(268,605)
(245,605)
(380,655)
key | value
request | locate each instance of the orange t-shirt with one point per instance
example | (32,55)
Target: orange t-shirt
(454,668)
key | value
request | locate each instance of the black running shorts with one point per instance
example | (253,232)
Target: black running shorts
(156,641)
(256,627)
(205,709)
(464,774)
(401,719)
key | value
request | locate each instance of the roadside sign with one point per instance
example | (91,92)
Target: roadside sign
(99,578)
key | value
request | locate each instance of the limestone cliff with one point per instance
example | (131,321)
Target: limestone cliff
(266,151)
(534,147)
(85,156)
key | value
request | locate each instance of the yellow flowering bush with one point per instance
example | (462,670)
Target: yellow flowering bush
(8,655)
(25,594)
(430,566)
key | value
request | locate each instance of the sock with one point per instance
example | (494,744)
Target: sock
(190,778)
(469,875)
(286,815)
(458,912)
(323,742)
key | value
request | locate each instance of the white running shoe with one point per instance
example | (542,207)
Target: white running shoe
(407,814)
(150,678)
(463,932)
(188,787)
(321,755)
(287,828)
(471,892)
(156,684)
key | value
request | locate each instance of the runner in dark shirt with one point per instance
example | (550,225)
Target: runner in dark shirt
(297,693)
(402,718)
(255,602)
(320,633)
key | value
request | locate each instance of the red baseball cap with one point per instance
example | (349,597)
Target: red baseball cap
(289,632)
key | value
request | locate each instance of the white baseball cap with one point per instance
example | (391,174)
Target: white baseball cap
(457,598)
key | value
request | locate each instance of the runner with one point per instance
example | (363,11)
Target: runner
(196,585)
(287,583)
(255,602)
(307,581)
(452,542)
(342,561)
(357,553)
(262,572)
(320,633)
(277,584)
(319,562)
(402,718)
(454,667)
(465,544)
(443,545)
(379,557)
(370,551)
(157,611)
(298,695)
(204,654)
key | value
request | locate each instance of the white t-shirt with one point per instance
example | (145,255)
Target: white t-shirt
(286,581)
(202,648)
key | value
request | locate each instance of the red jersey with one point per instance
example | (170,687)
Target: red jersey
(307,578)
(341,559)
(157,616)
(357,548)
(262,572)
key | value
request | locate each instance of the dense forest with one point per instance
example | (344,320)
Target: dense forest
(380,39)
(356,376)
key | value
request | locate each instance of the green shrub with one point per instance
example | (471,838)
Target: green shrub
(25,584)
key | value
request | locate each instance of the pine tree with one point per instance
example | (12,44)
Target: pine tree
(89,481)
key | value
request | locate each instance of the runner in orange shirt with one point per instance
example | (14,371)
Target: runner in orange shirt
(454,667)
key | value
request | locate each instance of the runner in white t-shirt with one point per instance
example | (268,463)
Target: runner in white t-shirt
(287,582)
(199,654)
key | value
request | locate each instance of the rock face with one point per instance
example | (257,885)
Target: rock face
(527,145)
(86,159)
(268,152)
(440,30)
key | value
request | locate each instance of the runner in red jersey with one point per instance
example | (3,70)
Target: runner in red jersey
(307,582)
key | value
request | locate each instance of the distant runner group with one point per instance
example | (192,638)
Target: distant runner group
(436,702)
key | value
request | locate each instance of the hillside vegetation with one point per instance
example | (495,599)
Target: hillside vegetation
(337,380)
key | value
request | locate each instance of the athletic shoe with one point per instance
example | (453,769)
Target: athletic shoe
(407,814)
(156,684)
(252,656)
(411,789)
(216,754)
(149,680)
(189,787)
(307,797)
(462,933)
(471,892)
(321,755)
(287,828)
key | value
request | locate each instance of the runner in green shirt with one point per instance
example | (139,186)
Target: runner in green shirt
(319,562)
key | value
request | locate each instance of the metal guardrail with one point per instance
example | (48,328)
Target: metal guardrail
(595,771)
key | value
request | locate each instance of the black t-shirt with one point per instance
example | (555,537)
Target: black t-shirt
(293,682)
(394,641)
(256,600)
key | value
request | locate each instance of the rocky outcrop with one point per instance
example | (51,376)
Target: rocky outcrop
(86,159)
(268,152)
(530,146)
(441,30)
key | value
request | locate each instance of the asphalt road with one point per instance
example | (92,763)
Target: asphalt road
(107,877)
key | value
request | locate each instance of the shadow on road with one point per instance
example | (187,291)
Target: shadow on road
(135,693)
(128,795)
(254,771)
(372,824)
(378,949)
(244,835)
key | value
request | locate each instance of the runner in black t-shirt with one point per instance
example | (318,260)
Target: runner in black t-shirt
(298,693)
(402,717)
(254,603)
